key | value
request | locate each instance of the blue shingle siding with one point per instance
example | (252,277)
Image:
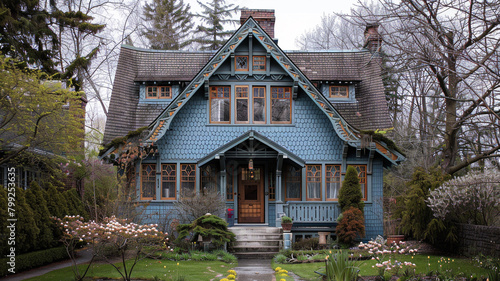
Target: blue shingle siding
(157,212)
(271,216)
(311,136)
(373,211)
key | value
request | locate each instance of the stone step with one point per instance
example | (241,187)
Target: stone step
(245,230)
(255,255)
(258,236)
(264,243)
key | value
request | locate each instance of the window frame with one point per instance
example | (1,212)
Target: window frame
(363,181)
(209,174)
(236,98)
(236,63)
(158,91)
(173,173)
(290,104)
(287,171)
(333,94)
(182,180)
(337,174)
(210,103)
(315,181)
(262,63)
(253,104)
(151,175)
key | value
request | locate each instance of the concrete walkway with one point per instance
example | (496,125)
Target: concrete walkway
(83,256)
(254,270)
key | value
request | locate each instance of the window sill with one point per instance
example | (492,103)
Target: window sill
(251,125)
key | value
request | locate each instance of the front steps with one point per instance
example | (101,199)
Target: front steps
(256,242)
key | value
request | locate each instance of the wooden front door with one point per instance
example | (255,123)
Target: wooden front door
(251,195)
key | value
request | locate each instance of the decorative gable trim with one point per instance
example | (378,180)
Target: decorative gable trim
(250,28)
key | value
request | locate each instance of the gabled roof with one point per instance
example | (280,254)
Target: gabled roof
(251,134)
(369,113)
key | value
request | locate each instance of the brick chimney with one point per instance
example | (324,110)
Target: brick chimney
(264,17)
(373,39)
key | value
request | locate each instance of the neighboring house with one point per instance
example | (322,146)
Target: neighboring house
(273,131)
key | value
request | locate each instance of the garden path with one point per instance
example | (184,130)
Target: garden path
(256,270)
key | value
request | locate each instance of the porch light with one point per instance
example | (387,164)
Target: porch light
(250,164)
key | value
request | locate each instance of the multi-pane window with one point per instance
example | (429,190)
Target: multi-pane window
(241,63)
(332,182)
(210,178)
(158,92)
(272,185)
(259,104)
(168,181)
(188,180)
(229,188)
(241,104)
(313,182)
(293,183)
(148,181)
(339,91)
(220,104)
(362,178)
(259,63)
(281,104)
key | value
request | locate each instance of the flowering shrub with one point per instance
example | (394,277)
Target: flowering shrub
(473,198)
(121,235)
(379,249)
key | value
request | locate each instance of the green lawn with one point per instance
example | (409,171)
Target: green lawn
(149,269)
(455,265)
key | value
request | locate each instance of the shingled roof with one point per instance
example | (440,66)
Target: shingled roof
(141,65)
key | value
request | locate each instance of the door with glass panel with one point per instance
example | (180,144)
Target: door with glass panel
(251,195)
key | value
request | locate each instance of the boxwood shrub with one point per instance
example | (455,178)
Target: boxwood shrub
(33,259)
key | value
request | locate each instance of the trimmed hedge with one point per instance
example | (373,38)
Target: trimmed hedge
(33,259)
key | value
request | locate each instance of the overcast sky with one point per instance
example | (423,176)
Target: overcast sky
(293,17)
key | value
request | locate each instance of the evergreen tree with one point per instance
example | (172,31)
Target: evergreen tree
(74,203)
(4,234)
(170,23)
(215,15)
(36,198)
(55,201)
(350,193)
(27,231)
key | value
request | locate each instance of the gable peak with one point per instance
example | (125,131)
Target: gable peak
(264,17)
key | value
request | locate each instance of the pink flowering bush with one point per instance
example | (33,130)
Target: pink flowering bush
(380,250)
(126,238)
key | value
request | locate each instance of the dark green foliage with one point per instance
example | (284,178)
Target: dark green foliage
(350,193)
(170,22)
(215,14)
(307,244)
(208,226)
(27,231)
(55,201)
(417,220)
(34,259)
(4,234)
(351,226)
(74,203)
(35,196)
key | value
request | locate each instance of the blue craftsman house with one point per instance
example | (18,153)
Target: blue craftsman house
(273,131)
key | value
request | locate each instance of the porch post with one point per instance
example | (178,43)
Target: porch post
(279,201)
(223,177)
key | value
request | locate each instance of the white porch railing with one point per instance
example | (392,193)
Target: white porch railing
(312,211)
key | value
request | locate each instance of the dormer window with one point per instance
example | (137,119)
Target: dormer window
(339,91)
(241,63)
(158,92)
(259,63)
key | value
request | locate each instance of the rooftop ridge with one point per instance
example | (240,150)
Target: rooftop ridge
(165,51)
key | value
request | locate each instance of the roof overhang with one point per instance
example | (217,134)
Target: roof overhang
(252,135)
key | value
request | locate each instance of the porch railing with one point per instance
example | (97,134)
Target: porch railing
(312,211)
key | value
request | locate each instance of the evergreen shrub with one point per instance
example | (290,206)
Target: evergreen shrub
(350,193)
(351,226)
(34,259)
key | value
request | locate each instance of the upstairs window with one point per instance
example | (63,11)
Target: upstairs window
(220,104)
(259,105)
(339,91)
(158,92)
(281,104)
(241,104)
(313,182)
(241,63)
(259,63)
(168,181)
(210,178)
